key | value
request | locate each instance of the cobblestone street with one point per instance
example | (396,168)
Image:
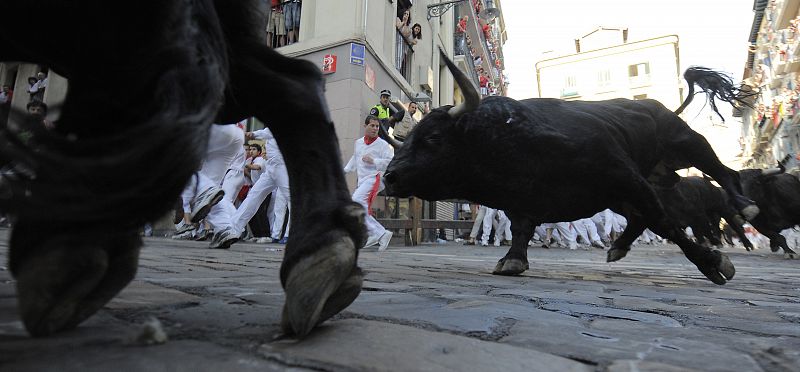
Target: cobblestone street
(434,307)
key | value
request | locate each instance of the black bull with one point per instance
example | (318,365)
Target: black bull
(546,160)
(779,196)
(145,83)
(695,202)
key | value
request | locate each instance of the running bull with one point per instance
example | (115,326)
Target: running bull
(168,70)
(544,160)
(695,202)
(778,195)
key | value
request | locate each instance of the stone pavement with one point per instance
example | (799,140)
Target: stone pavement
(434,307)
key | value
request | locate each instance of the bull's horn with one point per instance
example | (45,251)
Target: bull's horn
(471,97)
(771,171)
(384,133)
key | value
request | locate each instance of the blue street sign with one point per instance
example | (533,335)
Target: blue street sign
(357,54)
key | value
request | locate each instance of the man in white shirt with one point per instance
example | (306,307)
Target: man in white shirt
(370,159)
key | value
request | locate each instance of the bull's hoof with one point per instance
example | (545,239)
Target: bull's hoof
(775,248)
(67,280)
(510,266)
(616,254)
(321,285)
(790,255)
(719,270)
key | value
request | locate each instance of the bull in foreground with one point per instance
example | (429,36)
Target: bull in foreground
(169,69)
(544,160)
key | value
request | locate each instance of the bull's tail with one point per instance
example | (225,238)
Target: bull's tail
(716,85)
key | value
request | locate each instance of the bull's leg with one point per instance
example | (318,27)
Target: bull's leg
(516,259)
(778,242)
(621,246)
(319,272)
(695,150)
(63,279)
(735,222)
(713,264)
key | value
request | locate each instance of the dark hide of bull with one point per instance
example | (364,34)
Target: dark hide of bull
(695,202)
(779,198)
(547,160)
(145,84)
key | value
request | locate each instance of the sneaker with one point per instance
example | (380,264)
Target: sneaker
(484,243)
(573,246)
(204,235)
(598,245)
(224,239)
(384,240)
(186,235)
(284,240)
(372,240)
(184,227)
(264,240)
(471,241)
(202,203)
(497,242)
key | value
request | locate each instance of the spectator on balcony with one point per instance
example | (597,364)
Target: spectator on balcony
(33,90)
(460,36)
(416,33)
(291,10)
(484,82)
(404,25)
(477,60)
(276,25)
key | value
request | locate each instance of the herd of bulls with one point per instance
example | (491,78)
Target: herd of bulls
(200,62)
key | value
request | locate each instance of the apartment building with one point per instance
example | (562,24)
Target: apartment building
(771,127)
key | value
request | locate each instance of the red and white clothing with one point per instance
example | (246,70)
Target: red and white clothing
(370,176)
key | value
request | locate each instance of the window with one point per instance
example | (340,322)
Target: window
(570,87)
(639,70)
(604,78)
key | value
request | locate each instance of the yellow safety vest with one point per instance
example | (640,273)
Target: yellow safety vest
(383,113)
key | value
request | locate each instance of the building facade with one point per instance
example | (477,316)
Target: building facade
(771,127)
(606,65)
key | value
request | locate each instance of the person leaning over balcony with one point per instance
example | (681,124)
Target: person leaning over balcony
(416,33)
(404,25)
(461,33)
(291,10)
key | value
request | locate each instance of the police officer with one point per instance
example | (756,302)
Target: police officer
(386,114)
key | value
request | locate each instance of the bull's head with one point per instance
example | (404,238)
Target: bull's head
(435,152)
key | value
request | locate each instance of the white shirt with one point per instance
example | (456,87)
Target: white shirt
(381,153)
(274,156)
(255,174)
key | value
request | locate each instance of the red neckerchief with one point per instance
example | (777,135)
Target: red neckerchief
(368,140)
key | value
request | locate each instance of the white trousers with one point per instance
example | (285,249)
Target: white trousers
(564,229)
(478,221)
(224,144)
(587,230)
(361,196)
(274,178)
(503,228)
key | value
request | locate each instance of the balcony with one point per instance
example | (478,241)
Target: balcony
(404,54)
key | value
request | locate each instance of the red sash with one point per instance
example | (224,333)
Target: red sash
(372,193)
